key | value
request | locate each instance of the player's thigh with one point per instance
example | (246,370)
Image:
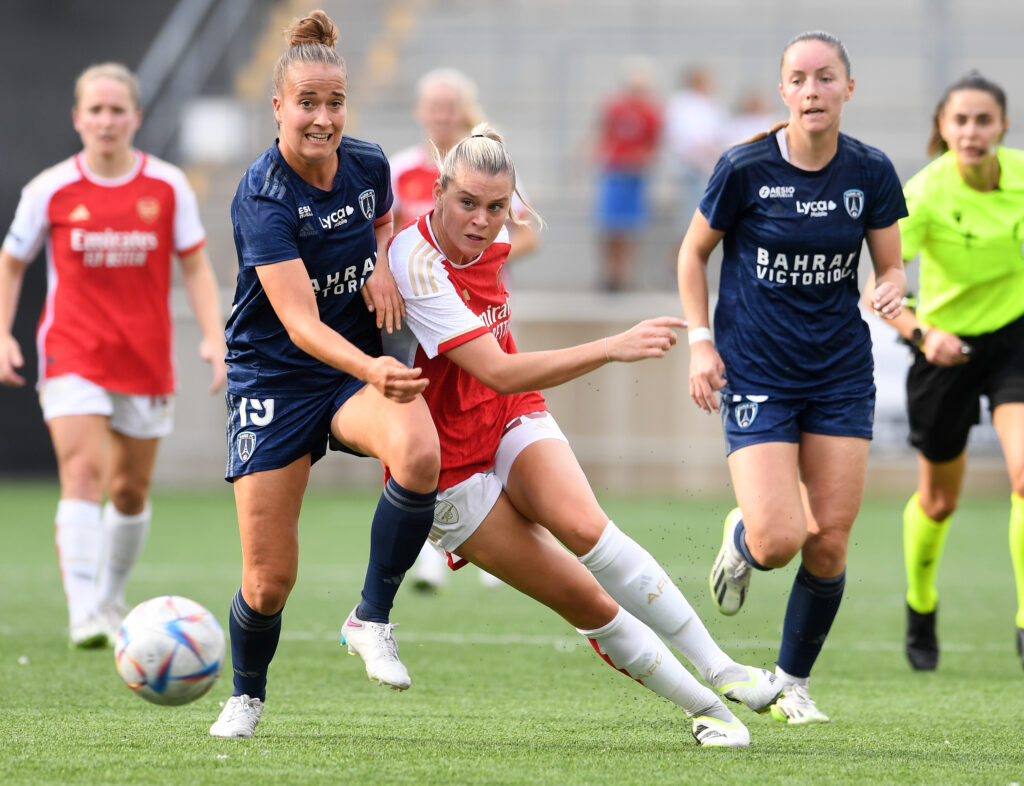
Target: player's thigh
(526,556)
(1008,420)
(766,482)
(268,505)
(80,444)
(401,435)
(130,469)
(547,485)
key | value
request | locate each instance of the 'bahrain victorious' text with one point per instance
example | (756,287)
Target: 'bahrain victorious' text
(804,269)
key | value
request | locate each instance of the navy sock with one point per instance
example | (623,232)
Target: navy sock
(400,527)
(254,638)
(739,538)
(813,605)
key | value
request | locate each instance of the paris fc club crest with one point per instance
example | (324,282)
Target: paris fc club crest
(246,445)
(853,201)
(745,413)
(368,203)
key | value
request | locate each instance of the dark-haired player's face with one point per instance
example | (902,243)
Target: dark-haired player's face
(106,117)
(815,85)
(972,124)
(469,214)
(311,113)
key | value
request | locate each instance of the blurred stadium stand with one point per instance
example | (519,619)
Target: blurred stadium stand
(543,67)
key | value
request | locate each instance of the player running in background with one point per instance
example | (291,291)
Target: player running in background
(792,360)
(510,484)
(967,333)
(311,215)
(111,218)
(447,108)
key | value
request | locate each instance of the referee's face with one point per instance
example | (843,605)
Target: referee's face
(311,113)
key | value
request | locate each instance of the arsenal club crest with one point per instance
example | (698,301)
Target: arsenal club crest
(148,209)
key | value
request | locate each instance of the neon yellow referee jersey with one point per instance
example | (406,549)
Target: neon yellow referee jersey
(971,245)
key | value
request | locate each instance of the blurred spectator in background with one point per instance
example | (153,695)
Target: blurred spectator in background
(694,127)
(447,110)
(753,116)
(628,135)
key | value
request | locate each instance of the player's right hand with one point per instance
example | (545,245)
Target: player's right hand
(395,381)
(707,375)
(944,349)
(10,360)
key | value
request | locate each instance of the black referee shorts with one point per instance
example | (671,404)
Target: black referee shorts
(944,402)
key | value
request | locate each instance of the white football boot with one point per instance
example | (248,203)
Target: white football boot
(755,688)
(730,575)
(713,733)
(797,706)
(374,642)
(238,718)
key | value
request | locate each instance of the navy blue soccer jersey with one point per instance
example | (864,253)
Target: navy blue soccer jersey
(278,216)
(787,321)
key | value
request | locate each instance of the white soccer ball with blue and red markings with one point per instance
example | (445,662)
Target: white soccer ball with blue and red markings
(169,650)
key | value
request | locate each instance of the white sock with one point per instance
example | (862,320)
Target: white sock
(79,539)
(631,647)
(123,538)
(788,679)
(635,579)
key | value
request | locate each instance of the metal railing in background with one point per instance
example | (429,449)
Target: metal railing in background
(198,36)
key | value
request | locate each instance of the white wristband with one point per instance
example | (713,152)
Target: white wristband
(699,334)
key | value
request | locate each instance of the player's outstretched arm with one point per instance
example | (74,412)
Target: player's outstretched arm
(287,288)
(12,273)
(484,358)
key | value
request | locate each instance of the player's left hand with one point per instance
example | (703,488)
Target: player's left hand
(213,352)
(380,292)
(887,300)
(651,338)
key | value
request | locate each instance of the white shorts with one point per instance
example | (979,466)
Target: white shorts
(461,509)
(139,417)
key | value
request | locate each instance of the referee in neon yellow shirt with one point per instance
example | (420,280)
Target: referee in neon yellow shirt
(967,223)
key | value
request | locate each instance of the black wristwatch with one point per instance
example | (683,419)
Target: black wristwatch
(917,336)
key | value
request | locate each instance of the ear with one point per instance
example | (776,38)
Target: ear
(849,89)
(437,192)
(277,109)
(138,120)
(74,119)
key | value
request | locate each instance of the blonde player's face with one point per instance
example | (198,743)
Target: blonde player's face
(106,117)
(443,116)
(972,125)
(814,86)
(311,113)
(470,213)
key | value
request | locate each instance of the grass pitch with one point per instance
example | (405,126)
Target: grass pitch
(504,691)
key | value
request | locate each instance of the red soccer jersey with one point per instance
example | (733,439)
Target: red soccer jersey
(630,130)
(447,305)
(108,251)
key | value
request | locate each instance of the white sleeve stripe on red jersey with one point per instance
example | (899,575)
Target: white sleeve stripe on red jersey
(421,269)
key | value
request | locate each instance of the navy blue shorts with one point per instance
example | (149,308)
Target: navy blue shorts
(752,420)
(271,433)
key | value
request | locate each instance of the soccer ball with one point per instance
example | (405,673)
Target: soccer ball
(169,650)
